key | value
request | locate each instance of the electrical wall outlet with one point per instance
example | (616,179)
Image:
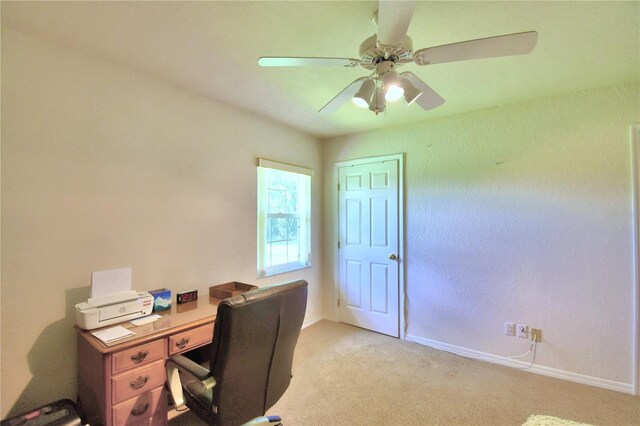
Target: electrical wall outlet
(523,331)
(509,329)
(537,333)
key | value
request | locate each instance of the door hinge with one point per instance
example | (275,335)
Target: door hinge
(338,186)
(338,244)
(338,303)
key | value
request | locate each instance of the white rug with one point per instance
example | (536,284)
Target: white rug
(542,420)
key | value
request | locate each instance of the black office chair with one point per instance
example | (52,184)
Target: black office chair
(254,338)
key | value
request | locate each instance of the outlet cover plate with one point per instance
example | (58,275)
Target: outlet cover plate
(537,333)
(523,331)
(509,329)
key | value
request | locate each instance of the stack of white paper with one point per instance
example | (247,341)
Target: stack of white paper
(113,281)
(145,320)
(112,334)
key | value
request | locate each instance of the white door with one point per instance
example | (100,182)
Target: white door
(369,245)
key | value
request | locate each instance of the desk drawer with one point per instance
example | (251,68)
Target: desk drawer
(139,380)
(140,355)
(191,339)
(142,409)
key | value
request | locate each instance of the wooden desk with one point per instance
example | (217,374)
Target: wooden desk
(123,383)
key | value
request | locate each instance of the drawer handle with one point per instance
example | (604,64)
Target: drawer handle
(140,412)
(182,343)
(139,357)
(139,382)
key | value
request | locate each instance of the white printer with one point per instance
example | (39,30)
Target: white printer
(118,307)
(112,300)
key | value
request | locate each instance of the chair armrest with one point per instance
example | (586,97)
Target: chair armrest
(192,367)
(181,369)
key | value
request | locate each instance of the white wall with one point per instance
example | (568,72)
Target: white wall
(105,168)
(518,213)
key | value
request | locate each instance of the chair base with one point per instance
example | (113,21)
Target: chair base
(265,420)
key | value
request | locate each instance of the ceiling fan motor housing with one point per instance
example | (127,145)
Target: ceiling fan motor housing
(386,67)
(372,53)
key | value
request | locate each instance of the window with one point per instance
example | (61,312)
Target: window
(284,219)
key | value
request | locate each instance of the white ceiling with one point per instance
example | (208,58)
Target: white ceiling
(212,48)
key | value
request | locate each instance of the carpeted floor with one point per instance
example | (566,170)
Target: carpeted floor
(344,375)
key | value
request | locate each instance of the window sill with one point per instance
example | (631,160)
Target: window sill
(283,270)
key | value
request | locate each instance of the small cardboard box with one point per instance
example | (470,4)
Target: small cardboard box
(161,299)
(234,288)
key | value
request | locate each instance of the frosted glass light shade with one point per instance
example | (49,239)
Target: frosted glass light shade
(393,93)
(411,92)
(378,102)
(391,82)
(365,93)
(360,102)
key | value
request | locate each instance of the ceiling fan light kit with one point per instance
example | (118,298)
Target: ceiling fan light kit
(391,47)
(387,86)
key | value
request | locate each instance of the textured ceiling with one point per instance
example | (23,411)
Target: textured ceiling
(212,48)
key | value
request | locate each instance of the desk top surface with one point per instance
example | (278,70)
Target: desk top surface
(181,317)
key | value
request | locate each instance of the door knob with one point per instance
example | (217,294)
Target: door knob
(393,256)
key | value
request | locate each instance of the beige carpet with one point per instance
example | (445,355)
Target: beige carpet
(344,375)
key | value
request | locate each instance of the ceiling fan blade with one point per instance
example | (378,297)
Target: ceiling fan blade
(343,97)
(393,21)
(429,99)
(491,47)
(274,61)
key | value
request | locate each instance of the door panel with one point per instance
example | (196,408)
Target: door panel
(379,180)
(379,288)
(379,222)
(353,222)
(354,284)
(368,233)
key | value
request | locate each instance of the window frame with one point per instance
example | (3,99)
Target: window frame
(264,269)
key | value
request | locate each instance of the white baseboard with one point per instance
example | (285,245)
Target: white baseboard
(538,369)
(309,322)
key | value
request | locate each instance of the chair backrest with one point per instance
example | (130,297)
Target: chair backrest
(254,338)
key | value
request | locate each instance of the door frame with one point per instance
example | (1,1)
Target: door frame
(401,248)
(635,205)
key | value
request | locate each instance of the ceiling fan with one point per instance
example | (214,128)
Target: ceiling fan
(390,48)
